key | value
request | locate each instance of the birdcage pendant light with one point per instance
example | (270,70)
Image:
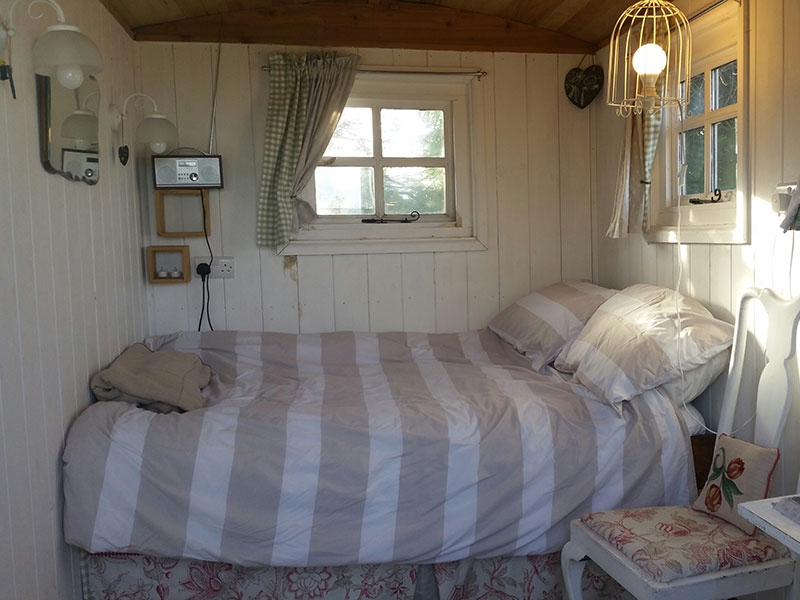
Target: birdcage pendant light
(650,56)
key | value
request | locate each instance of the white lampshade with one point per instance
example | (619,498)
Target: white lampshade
(158,131)
(66,54)
(80,126)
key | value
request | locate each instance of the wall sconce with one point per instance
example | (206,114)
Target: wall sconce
(155,129)
(650,54)
(81,125)
(62,52)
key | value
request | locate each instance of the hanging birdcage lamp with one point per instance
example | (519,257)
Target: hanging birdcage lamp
(650,56)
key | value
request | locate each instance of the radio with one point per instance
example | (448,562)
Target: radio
(188,172)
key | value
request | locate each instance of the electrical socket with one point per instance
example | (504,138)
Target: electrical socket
(221,268)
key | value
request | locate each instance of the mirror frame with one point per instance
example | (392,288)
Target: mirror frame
(43,98)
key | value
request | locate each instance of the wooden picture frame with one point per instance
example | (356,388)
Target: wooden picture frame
(164,271)
(161,227)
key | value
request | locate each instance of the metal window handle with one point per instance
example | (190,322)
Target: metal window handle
(413,216)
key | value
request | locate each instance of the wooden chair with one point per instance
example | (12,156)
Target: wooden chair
(759,568)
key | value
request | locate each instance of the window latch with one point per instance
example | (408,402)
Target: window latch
(413,216)
(717,198)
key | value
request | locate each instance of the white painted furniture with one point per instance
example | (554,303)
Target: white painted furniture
(773,400)
(763,515)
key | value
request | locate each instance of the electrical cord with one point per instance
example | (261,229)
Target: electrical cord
(204,270)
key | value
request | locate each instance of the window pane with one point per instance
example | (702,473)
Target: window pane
(691,150)
(723,86)
(353,135)
(345,190)
(412,133)
(697,96)
(724,150)
(414,188)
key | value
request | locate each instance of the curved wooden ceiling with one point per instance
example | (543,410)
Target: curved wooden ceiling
(492,25)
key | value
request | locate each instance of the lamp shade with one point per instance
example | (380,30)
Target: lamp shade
(158,131)
(650,54)
(80,126)
(65,53)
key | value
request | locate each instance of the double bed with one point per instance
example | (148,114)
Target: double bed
(334,465)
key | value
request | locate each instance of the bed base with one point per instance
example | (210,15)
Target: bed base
(117,576)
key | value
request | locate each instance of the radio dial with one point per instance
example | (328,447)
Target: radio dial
(193,176)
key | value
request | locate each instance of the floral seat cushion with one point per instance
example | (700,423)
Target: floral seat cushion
(673,542)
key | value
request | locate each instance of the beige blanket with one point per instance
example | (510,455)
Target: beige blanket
(160,378)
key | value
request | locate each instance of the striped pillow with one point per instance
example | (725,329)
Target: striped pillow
(630,344)
(542,323)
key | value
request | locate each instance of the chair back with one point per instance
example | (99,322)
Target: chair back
(774,395)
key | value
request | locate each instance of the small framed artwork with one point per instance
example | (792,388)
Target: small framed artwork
(168,264)
(180,213)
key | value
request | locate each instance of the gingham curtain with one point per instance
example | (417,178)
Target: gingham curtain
(632,195)
(306,97)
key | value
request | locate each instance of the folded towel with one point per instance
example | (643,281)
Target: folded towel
(141,376)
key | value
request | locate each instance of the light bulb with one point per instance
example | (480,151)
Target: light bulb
(649,61)
(70,76)
(82,144)
(158,147)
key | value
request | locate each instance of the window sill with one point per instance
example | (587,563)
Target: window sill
(382,246)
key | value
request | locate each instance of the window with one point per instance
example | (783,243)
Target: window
(389,158)
(404,143)
(710,141)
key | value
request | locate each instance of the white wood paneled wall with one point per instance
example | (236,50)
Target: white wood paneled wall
(72,297)
(717,274)
(538,194)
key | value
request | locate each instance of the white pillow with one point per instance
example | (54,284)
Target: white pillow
(630,343)
(541,323)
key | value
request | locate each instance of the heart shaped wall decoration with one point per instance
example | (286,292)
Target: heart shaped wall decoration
(583,85)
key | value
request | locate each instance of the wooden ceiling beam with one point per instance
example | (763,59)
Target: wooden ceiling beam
(366,24)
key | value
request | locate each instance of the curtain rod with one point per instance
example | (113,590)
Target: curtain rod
(709,8)
(453,71)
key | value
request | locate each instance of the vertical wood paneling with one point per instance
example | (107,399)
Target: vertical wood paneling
(483,276)
(351,293)
(512,176)
(72,296)
(315,289)
(576,189)
(544,174)
(235,142)
(419,292)
(451,289)
(385,272)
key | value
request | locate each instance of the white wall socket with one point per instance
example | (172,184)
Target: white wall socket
(221,268)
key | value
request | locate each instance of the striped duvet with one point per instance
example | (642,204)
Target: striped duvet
(348,448)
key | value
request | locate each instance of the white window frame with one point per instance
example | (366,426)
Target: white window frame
(719,38)
(378,162)
(465,229)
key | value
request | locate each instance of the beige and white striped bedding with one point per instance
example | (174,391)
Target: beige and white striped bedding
(540,324)
(348,448)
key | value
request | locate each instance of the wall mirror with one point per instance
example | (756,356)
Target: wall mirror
(68,129)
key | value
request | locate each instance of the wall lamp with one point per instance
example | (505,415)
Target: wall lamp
(155,128)
(81,125)
(62,52)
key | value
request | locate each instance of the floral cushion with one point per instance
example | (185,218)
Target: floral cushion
(740,472)
(673,542)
